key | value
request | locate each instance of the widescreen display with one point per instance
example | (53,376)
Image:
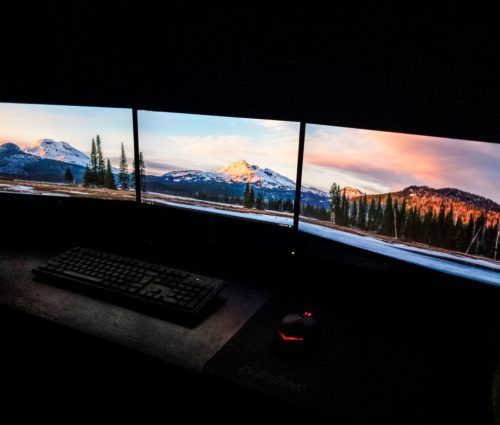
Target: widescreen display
(234,166)
(66,151)
(404,194)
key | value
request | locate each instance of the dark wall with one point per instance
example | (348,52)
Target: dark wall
(428,73)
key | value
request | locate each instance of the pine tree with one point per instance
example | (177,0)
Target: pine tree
(87,177)
(344,211)
(497,239)
(458,235)
(335,203)
(396,212)
(427,234)
(372,215)
(353,216)
(249,196)
(379,215)
(68,175)
(142,172)
(259,203)
(388,220)
(401,219)
(93,159)
(109,178)
(123,173)
(449,229)
(100,165)
(362,212)
(410,225)
(469,231)
(440,227)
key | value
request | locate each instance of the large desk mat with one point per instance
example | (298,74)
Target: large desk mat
(388,365)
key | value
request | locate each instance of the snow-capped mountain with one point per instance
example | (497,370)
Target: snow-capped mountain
(16,163)
(59,151)
(242,172)
(351,192)
(228,181)
(236,172)
(190,176)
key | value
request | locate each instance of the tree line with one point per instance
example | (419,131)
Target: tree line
(395,219)
(260,203)
(99,173)
(249,200)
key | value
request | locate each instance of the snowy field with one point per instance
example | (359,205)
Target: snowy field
(62,189)
(254,216)
(187,198)
(470,268)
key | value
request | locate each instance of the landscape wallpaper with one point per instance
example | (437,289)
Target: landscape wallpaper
(66,151)
(435,195)
(235,166)
(430,200)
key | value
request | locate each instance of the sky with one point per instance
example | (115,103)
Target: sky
(379,161)
(172,141)
(24,124)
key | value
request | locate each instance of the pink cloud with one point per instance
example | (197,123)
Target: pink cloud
(392,160)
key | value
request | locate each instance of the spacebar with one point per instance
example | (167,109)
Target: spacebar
(82,276)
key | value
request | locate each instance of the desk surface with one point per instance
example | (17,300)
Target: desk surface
(179,345)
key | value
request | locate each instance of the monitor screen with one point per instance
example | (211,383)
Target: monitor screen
(67,151)
(234,166)
(430,200)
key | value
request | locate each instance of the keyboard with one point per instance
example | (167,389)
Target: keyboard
(151,287)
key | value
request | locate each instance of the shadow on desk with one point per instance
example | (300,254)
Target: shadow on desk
(55,375)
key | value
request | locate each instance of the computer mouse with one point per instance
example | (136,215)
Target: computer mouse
(298,329)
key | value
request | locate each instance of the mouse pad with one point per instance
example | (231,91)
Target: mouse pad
(387,365)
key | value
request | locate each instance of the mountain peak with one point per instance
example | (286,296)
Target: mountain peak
(238,168)
(10,148)
(351,192)
(240,171)
(59,151)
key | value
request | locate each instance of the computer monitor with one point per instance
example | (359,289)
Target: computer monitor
(233,166)
(430,200)
(66,151)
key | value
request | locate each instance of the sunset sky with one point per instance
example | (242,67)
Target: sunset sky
(24,124)
(378,162)
(171,141)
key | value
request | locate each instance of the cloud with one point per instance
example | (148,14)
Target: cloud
(160,167)
(392,161)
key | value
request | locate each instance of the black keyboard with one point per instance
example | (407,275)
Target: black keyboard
(155,288)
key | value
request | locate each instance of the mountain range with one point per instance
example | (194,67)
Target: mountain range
(47,160)
(228,181)
(44,160)
(426,198)
(59,151)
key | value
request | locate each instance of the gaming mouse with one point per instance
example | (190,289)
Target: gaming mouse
(297,329)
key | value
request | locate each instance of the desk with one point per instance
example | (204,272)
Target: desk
(176,344)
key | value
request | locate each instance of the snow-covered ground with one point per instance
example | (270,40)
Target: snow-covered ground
(255,216)
(470,268)
(19,188)
(187,198)
(64,195)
